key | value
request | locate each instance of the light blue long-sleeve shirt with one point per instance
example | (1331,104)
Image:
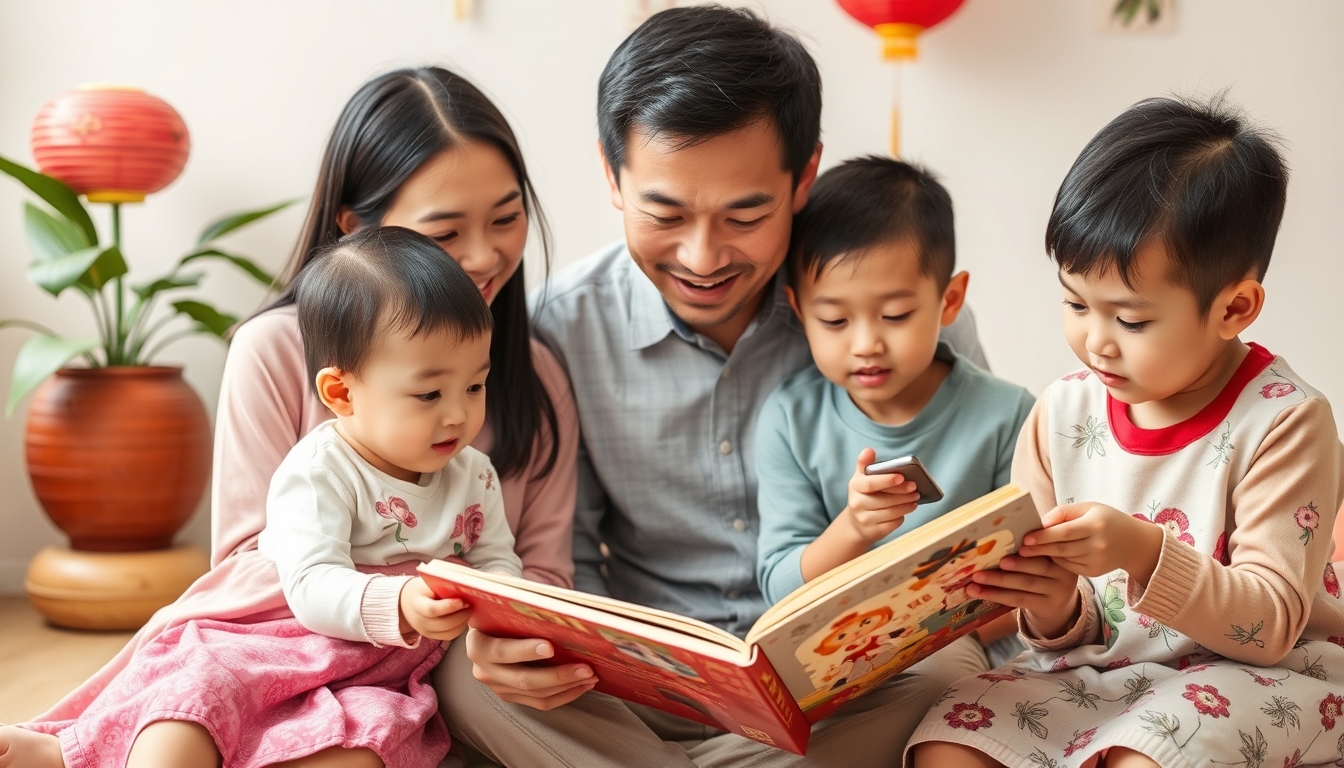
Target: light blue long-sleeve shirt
(666,475)
(810,434)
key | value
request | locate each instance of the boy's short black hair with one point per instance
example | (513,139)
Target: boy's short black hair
(376,281)
(868,202)
(1194,174)
(695,73)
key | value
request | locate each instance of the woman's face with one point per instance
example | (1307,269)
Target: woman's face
(468,200)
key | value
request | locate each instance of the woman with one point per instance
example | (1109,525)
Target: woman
(424,149)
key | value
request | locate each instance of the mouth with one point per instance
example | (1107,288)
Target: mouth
(871,376)
(1109,379)
(487,289)
(705,291)
(445,447)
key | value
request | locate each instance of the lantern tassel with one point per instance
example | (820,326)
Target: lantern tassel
(896,110)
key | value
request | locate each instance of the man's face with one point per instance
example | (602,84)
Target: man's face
(709,223)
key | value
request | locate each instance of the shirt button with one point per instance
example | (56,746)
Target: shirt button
(725,447)
(727,370)
(739,525)
(733,594)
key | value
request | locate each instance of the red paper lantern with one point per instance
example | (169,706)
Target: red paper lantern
(899,22)
(113,144)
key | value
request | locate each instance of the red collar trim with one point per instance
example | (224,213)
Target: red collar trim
(1159,442)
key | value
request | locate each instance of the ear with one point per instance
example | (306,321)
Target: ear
(334,391)
(954,297)
(806,180)
(346,220)
(1236,307)
(612,181)
(793,301)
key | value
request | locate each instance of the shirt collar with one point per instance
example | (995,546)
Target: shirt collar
(651,319)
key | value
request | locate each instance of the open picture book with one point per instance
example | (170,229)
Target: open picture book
(828,642)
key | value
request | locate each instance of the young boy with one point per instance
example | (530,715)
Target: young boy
(1190,477)
(871,272)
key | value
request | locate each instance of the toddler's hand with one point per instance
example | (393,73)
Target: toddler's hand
(1038,585)
(431,617)
(877,503)
(1092,540)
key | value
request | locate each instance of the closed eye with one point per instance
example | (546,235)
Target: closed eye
(504,221)
(740,224)
(898,318)
(447,237)
(1132,327)
(428,397)
(1075,307)
(831,323)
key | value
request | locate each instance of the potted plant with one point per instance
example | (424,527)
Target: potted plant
(118,448)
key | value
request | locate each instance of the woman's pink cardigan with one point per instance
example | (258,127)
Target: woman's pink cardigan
(265,406)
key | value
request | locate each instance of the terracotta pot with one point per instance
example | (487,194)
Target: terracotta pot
(118,457)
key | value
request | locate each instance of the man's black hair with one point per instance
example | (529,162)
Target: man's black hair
(1193,175)
(868,202)
(377,281)
(691,74)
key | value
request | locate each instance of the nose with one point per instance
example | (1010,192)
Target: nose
(1101,339)
(700,252)
(452,413)
(866,340)
(476,255)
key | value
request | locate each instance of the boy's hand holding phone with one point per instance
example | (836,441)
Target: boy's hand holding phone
(426,614)
(878,504)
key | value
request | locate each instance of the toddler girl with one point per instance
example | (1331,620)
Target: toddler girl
(397,341)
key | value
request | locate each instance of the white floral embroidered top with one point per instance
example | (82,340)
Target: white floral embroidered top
(329,511)
(1246,491)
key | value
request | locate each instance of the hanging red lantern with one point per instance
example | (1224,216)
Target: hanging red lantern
(899,22)
(113,144)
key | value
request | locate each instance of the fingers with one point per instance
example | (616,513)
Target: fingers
(503,664)
(1064,513)
(445,627)
(874,484)
(866,456)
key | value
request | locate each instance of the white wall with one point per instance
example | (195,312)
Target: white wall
(1004,96)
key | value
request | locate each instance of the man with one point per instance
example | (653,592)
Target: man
(709,120)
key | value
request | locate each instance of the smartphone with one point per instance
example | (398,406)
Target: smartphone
(913,470)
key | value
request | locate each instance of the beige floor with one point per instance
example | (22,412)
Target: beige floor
(39,663)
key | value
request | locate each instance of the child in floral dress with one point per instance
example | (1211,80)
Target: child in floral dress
(1190,479)
(397,340)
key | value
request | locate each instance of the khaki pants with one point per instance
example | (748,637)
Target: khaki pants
(597,730)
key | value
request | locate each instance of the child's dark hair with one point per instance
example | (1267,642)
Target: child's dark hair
(871,201)
(692,74)
(376,281)
(1193,174)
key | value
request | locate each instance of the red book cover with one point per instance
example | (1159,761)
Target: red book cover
(741,695)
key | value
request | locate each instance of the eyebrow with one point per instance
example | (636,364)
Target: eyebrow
(434,216)
(753,200)
(429,373)
(904,293)
(1122,303)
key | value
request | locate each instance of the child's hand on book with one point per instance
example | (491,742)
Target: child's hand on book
(1093,539)
(878,504)
(1045,590)
(433,618)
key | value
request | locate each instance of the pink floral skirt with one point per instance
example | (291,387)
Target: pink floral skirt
(266,692)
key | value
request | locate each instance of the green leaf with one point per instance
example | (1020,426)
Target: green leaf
(50,237)
(237,220)
(40,357)
(245,264)
(207,317)
(57,195)
(91,267)
(145,292)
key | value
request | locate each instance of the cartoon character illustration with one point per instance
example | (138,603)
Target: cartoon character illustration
(893,628)
(866,639)
(652,654)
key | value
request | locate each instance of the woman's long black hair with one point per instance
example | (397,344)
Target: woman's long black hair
(392,126)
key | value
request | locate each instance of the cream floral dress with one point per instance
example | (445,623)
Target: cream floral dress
(1234,654)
